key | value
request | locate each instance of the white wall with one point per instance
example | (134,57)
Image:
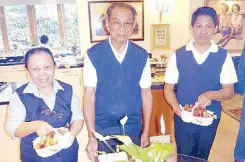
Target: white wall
(178,17)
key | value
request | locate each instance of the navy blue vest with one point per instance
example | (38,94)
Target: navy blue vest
(35,111)
(118,92)
(194,79)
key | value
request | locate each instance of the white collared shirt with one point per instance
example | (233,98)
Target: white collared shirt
(17,111)
(227,75)
(90,76)
(119,55)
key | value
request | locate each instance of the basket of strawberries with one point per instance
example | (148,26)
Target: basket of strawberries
(197,115)
(53,142)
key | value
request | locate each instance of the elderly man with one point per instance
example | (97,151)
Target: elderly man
(117,81)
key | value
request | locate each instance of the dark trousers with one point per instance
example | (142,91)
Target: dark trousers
(194,140)
(135,137)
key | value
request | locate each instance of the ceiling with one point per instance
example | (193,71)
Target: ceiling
(33,2)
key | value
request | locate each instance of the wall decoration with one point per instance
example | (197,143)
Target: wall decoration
(97,16)
(160,37)
(230,32)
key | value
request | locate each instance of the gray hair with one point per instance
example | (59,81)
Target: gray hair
(120,5)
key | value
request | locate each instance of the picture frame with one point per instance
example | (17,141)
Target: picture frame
(97,15)
(160,37)
(230,31)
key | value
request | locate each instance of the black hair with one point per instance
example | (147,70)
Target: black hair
(237,5)
(120,5)
(206,11)
(44,39)
(33,51)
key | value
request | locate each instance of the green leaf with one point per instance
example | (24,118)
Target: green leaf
(135,151)
(159,152)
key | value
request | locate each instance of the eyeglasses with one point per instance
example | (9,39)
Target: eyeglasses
(125,25)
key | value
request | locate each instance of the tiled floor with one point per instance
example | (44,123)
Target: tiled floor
(225,140)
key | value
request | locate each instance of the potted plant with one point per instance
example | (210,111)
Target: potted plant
(130,152)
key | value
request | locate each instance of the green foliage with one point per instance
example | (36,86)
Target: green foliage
(156,152)
(17,24)
(135,152)
(71,24)
(47,23)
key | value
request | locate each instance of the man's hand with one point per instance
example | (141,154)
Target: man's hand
(91,149)
(205,99)
(145,140)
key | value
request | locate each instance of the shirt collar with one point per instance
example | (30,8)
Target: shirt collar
(213,48)
(32,88)
(115,51)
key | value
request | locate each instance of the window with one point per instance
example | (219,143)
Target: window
(47,23)
(71,24)
(17,27)
(1,44)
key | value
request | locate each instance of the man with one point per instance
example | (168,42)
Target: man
(117,81)
(204,74)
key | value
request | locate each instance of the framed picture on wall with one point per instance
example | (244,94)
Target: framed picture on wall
(97,18)
(160,37)
(230,32)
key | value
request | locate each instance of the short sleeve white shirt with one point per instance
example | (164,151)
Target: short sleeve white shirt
(90,76)
(17,111)
(227,75)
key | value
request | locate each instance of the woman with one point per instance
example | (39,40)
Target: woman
(224,22)
(41,105)
(240,143)
(236,25)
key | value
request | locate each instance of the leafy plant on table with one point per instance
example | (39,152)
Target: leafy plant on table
(156,152)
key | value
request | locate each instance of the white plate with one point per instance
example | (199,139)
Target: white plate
(51,150)
(189,118)
(46,151)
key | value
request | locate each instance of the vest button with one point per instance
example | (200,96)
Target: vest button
(58,154)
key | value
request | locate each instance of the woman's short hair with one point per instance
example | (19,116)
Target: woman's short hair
(37,50)
(237,5)
(120,5)
(226,6)
(206,11)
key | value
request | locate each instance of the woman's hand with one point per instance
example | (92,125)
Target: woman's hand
(42,127)
(91,149)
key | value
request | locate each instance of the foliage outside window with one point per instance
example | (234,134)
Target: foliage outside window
(1,44)
(17,25)
(71,24)
(47,23)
